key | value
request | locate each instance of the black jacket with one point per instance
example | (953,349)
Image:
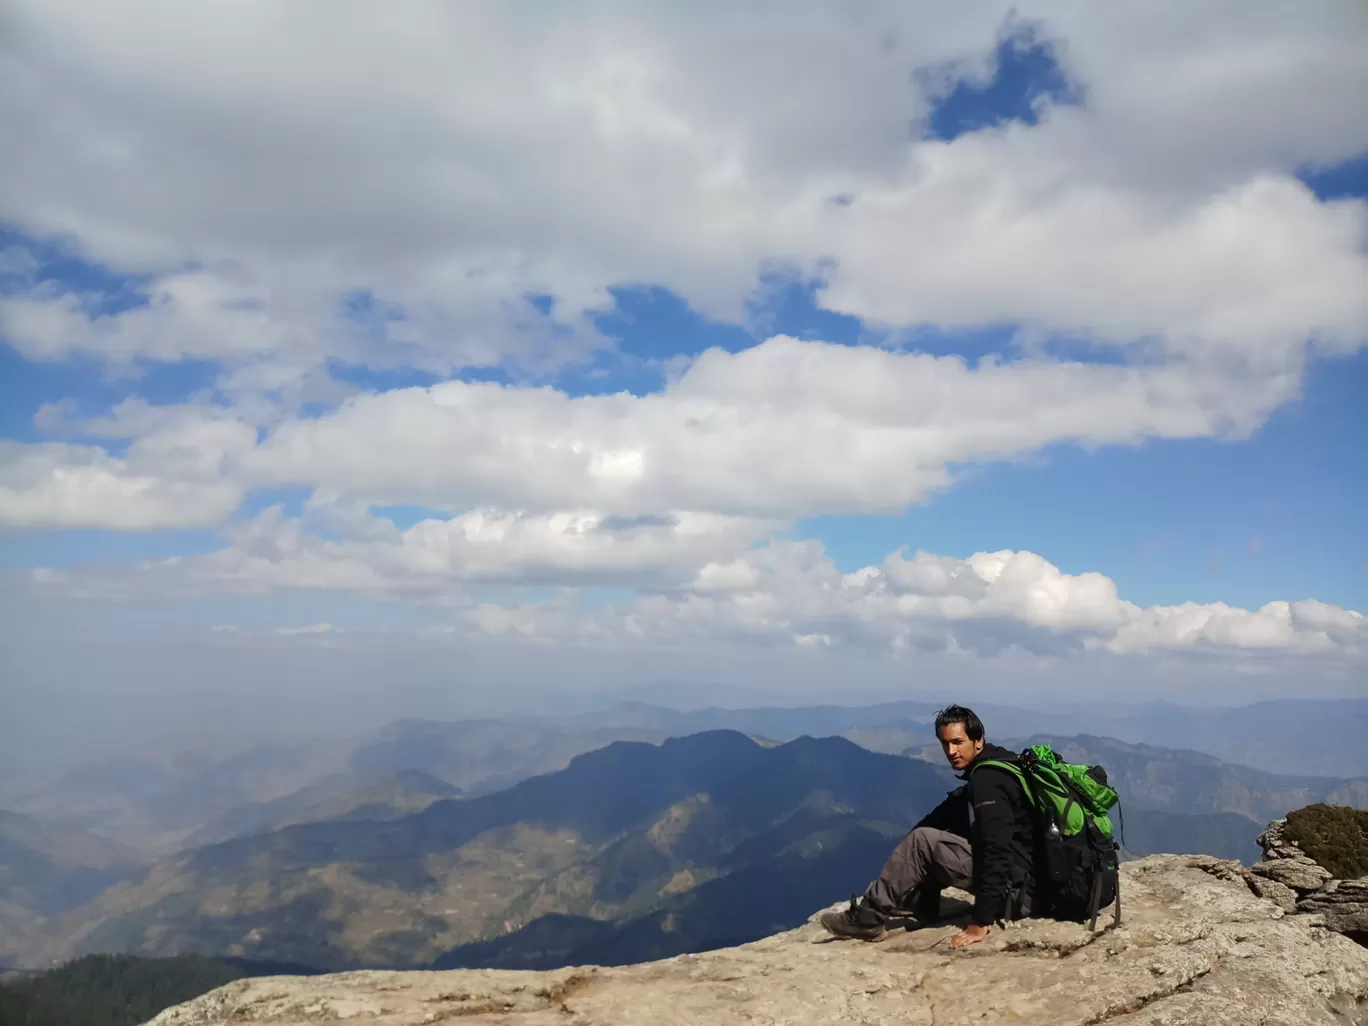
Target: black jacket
(992,812)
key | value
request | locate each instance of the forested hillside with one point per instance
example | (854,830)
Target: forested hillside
(110,990)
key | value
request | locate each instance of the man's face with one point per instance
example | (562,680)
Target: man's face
(959,750)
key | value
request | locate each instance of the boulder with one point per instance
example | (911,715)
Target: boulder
(1287,872)
(1195,947)
(1342,904)
(1296,872)
(1273,843)
(1280,894)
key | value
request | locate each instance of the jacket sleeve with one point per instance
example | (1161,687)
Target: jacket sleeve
(993,830)
(951,814)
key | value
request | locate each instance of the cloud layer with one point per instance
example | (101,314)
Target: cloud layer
(283,192)
(781,430)
(706,580)
(448,165)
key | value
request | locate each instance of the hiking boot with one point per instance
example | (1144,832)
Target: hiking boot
(858,922)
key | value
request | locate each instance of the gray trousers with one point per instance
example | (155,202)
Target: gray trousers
(926,859)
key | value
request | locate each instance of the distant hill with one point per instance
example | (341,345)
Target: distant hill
(1226,835)
(1316,738)
(342,796)
(168,800)
(756,899)
(696,842)
(46,869)
(153,801)
(163,801)
(760,833)
(1295,737)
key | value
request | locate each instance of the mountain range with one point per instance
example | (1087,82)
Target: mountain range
(625,831)
(181,796)
(516,843)
(1307,738)
(48,869)
(700,841)
(166,800)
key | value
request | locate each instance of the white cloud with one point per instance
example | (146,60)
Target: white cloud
(1307,626)
(178,470)
(1245,276)
(777,431)
(314,628)
(701,581)
(435,558)
(190,314)
(55,485)
(783,429)
(441,319)
(406,191)
(452,166)
(983,605)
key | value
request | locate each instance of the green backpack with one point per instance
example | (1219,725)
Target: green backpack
(1078,869)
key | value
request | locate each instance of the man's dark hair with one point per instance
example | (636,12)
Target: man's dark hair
(973,726)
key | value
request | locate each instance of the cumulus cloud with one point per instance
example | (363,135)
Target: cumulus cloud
(448,190)
(449,168)
(286,320)
(783,429)
(703,580)
(1093,261)
(985,605)
(177,470)
(55,485)
(436,557)
(191,314)
(419,192)
(1308,626)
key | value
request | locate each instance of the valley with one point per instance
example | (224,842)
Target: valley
(534,844)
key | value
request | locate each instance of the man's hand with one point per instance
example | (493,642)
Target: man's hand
(969,935)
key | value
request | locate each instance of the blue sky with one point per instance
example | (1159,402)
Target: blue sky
(1008,198)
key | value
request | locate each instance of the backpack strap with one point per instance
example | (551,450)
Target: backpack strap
(1011,768)
(1094,900)
(1116,875)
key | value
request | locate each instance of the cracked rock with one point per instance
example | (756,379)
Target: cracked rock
(1278,893)
(1299,873)
(1343,905)
(1196,947)
(1339,905)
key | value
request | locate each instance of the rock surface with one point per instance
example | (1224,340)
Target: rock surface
(1300,874)
(1287,874)
(1197,946)
(1280,894)
(1343,904)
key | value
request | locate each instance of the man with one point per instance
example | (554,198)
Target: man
(980,839)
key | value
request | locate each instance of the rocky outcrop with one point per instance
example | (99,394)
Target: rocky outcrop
(1196,947)
(1297,883)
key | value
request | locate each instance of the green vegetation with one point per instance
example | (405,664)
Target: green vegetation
(110,990)
(1336,836)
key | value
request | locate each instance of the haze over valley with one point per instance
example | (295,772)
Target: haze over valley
(635,830)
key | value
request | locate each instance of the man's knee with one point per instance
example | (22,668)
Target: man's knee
(915,853)
(925,838)
(937,843)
